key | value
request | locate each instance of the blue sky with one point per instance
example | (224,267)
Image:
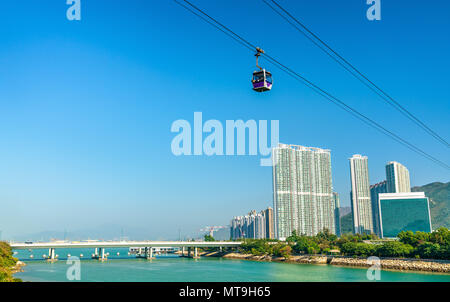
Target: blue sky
(86,106)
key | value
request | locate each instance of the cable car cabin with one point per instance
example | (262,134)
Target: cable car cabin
(262,80)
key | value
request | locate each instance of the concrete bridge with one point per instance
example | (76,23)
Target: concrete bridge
(147,246)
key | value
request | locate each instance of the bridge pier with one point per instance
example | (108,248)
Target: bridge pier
(149,253)
(146,253)
(99,254)
(189,253)
(102,254)
(51,255)
(188,248)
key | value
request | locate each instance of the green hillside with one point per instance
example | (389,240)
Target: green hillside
(7,261)
(439,196)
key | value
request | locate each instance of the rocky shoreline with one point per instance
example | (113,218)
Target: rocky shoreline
(437,266)
(18,267)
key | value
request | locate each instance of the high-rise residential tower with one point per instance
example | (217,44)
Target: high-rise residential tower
(337,215)
(375,191)
(302,190)
(270,230)
(253,225)
(360,195)
(397,177)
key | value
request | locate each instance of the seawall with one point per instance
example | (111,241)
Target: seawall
(439,266)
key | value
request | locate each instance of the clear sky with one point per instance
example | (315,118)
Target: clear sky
(86,106)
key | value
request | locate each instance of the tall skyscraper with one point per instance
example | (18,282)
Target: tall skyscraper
(236,228)
(397,177)
(270,230)
(260,226)
(360,195)
(250,223)
(375,191)
(337,214)
(302,190)
(404,212)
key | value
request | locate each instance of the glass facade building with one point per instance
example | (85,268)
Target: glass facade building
(404,212)
(302,188)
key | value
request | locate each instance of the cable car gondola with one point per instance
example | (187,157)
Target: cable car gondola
(262,79)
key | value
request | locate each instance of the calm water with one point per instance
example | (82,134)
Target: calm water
(173,268)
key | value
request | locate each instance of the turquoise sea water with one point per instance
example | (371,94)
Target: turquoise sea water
(173,268)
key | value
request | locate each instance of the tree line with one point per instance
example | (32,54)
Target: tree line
(420,245)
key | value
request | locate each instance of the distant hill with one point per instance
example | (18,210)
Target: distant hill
(344,211)
(439,196)
(222,234)
(101,232)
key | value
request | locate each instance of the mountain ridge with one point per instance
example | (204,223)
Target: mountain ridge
(438,194)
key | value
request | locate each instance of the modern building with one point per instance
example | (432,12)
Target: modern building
(360,195)
(260,226)
(249,225)
(236,228)
(397,177)
(375,190)
(270,229)
(337,214)
(253,225)
(302,190)
(404,212)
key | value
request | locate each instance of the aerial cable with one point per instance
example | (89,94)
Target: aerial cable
(353,70)
(311,85)
(217,27)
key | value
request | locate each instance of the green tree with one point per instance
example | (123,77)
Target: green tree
(209,238)
(440,236)
(305,245)
(429,250)
(282,250)
(394,249)
(293,238)
(413,239)
(256,247)
(358,249)
(326,235)
(408,237)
